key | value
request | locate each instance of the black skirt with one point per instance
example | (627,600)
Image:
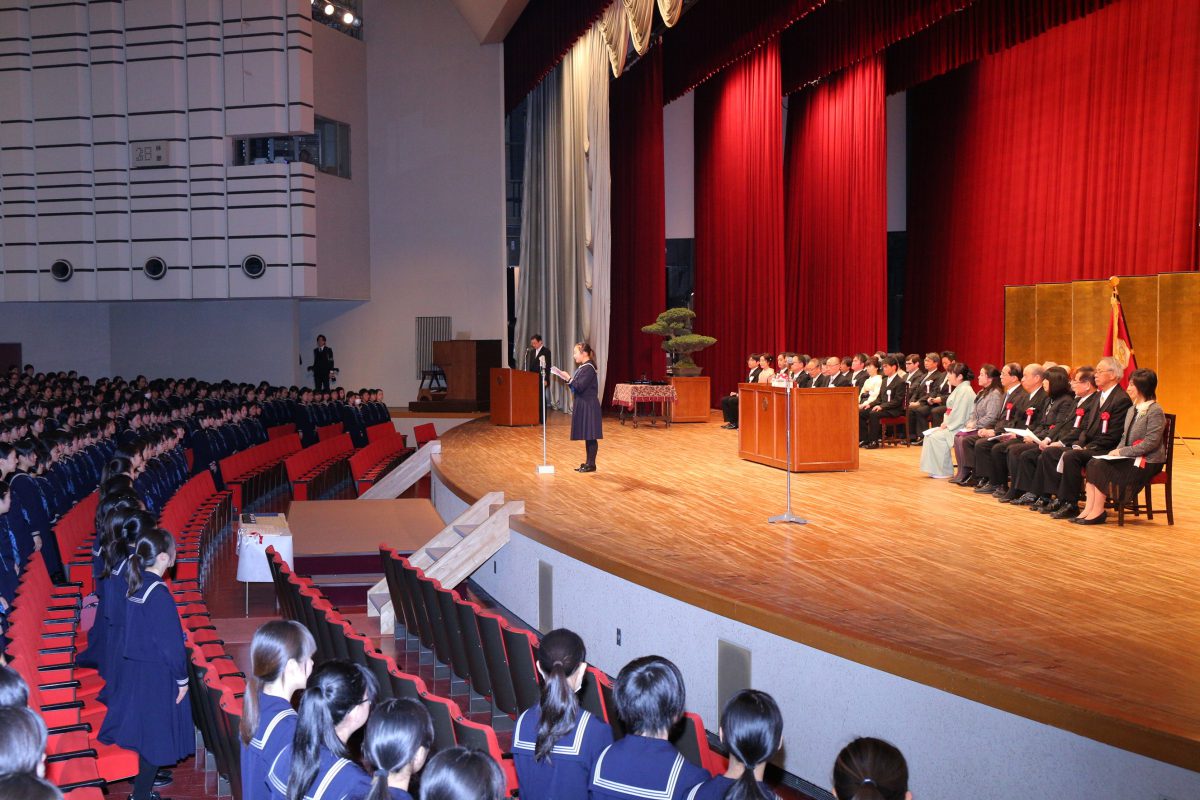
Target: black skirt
(1120,480)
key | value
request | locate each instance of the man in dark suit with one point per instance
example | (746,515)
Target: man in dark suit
(991,456)
(858,370)
(729,405)
(890,403)
(1101,434)
(925,398)
(1010,410)
(808,378)
(322,365)
(537,359)
(837,378)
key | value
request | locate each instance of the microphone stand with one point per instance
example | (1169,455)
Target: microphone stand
(787,516)
(545,468)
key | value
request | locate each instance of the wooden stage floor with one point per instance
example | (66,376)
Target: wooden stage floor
(1092,629)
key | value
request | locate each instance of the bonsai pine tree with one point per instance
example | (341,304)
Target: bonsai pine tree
(675,326)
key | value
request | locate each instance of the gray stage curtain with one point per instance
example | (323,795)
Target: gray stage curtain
(566,233)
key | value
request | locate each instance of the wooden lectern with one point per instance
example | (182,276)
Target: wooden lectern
(466,363)
(515,397)
(824,427)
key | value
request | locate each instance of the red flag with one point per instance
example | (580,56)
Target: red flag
(1117,344)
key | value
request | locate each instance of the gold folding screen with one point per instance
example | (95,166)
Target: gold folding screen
(1067,323)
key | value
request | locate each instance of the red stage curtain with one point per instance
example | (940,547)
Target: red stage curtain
(1071,156)
(835,186)
(739,215)
(837,35)
(639,270)
(539,39)
(714,34)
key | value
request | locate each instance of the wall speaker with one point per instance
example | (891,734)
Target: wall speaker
(155,268)
(61,270)
(254,266)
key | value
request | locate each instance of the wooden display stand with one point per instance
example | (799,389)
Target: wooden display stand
(824,427)
(515,397)
(693,403)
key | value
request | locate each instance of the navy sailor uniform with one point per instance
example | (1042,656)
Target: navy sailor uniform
(715,789)
(644,768)
(142,713)
(276,727)
(565,773)
(336,778)
(586,422)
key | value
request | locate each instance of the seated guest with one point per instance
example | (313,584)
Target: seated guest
(752,730)
(858,370)
(1101,434)
(650,699)
(781,363)
(812,371)
(870,387)
(988,401)
(991,455)
(556,743)
(935,454)
(839,373)
(870,769)
(797,375)
(920,404)
(459,773)
(1057,417)
(1036,485)
(829,369)
(729,405)
(948,359)
(765,373)
(1014,396)
(1142,450)
(889,404)
(913,376)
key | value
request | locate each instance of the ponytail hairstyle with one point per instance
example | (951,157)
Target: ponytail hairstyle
(559,656)
(149,545)
(125,525)
(396,732)
(870,769)
(334,690)
(117,483)
(458,773)
(117,465)
(753,728)
(650,695)
(275,644)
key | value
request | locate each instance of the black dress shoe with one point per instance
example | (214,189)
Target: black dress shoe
(961,479)
(586,468)
(984,487)
(1010,496)
(1093,521)
(1068,511)
(1000,490)
(1027,499)
(164,778)
(1050,508)
(871,446)
(971,482)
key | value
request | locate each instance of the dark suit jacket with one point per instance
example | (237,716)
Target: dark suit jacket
(1012,410)
(859,378)
(322,360)
(1056,417)
(531,360)
(1099,438)
(1038,402)
(820,382)
(891,404)
(842,379)
(804,381)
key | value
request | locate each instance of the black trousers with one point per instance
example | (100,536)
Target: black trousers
(729,409)
(969,456)
(321,381)
(1071,480)
(1021,459)
(918,419)
(870,429)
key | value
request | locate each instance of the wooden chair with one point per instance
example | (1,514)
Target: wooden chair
(1163,477)
(890,426)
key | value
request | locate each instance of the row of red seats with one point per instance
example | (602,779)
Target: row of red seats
(303,602)
(378,458)
(307,469)
(499,659)
(258,470)
(194,516)
(381,431)
(330,431)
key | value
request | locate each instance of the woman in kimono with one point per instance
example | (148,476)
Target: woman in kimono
(586,421)
(147,709)
(935,454)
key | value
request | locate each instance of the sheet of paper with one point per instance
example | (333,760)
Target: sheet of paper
(1112,458)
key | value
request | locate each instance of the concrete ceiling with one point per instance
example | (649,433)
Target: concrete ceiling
(490,20)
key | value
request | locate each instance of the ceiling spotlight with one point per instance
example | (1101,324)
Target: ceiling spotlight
(348,18)
(329,9)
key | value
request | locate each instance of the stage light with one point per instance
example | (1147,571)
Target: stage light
(329,9)
(348,18)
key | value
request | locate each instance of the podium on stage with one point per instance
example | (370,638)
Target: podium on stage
(824,427)
(515,397)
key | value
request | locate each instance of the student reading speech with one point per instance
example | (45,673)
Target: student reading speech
(586,421)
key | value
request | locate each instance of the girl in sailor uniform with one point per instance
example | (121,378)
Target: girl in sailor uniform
(459,773)
(556,743)
(870,769)
(124,530)
(280,662)
(752,729)
(644,764)
(587,422)
(113,511)
(148,710)
(316,765)
(398,739)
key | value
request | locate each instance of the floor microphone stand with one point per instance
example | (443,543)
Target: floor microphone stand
(787,516)
(545,468)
